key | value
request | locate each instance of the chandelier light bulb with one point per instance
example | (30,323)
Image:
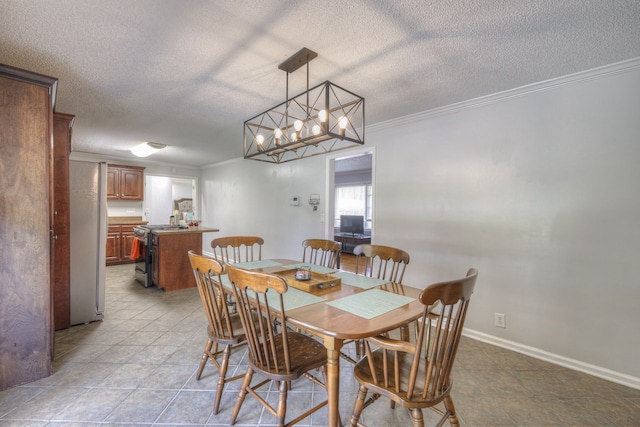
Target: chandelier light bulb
(342,123)
(297,125)
(294,136)
(315,129)
(322,116)
(277,134)
(260,141)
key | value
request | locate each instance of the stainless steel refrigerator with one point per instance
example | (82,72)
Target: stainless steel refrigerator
(88,224)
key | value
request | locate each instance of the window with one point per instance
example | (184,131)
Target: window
(354,200)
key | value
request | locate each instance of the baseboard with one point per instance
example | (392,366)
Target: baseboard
(596,371)
(209,254)
(576,365)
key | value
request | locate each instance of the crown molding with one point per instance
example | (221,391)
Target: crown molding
(570,79)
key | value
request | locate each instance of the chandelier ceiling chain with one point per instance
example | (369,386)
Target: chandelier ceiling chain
(320,120)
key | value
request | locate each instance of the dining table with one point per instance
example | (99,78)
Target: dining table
(359,307)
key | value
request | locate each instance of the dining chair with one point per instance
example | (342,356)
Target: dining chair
(321,252)
(223,327)
(382,262)
(417,374)
(234,249)
(278,355)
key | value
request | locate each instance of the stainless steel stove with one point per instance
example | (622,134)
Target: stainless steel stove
(143,264)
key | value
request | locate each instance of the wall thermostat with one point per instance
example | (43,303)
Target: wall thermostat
(294,201)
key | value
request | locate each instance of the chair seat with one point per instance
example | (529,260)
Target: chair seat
(236,327)
(363,375)
(306,354)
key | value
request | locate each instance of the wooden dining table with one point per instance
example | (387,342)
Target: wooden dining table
(334,315)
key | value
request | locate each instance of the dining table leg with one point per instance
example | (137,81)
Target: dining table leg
(333,346)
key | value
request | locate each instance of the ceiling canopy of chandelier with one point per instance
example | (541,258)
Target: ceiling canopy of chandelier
(322,119)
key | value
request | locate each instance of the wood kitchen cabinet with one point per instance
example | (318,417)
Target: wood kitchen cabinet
(61,287)
(119,241)
(170,266)
(26,225)
(125,182)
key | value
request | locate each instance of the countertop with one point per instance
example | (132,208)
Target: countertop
(125,220)
(192,230)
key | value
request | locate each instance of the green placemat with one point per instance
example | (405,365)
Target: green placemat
(371,303)
(358,280)
(315,268)
(292,299)
(254,265)
(225,281)
(295,298)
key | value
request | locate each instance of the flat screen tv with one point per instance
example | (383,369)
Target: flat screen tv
(353,224)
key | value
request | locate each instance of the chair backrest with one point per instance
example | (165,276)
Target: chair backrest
(321,252)
(383,262)
(433,353)
(234,249)
(207,272)
(259,312)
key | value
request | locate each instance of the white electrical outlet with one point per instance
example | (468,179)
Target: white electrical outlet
(499,320)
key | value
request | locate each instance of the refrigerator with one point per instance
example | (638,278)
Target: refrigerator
(88,232)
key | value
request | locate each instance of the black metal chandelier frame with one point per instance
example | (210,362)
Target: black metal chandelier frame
(320,120)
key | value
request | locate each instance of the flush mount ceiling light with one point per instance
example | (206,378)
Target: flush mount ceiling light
(320,120)
(147,148)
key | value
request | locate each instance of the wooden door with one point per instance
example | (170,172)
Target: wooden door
(128,236)
(113,244)
(131,186)
(113,183)
(26,136)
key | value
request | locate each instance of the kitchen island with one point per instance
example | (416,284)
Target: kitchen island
(170,267)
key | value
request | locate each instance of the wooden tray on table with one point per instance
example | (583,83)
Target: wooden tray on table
(318,281)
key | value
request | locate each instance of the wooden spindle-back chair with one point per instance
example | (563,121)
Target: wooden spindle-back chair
(382,262)
(276,354)
(223,327)
(417,374)
(235,249)
(321,252)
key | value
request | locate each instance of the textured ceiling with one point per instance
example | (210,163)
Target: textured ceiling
(189,73)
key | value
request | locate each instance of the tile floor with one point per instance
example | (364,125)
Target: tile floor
(137,368)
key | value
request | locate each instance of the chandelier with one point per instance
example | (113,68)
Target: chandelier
(322,119)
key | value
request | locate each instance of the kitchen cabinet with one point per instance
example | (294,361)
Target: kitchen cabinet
(61,288)
(170,265)
(26,225)
(125,182)
(119,242)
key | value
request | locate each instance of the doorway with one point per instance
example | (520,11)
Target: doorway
(161,194)
(352,193)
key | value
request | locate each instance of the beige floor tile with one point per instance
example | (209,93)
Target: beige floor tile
(137,368)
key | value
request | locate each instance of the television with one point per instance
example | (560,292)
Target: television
(353,224)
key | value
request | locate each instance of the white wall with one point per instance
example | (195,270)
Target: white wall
(252,198)
(158,199)
(537,188)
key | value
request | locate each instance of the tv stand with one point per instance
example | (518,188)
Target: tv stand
(350,240)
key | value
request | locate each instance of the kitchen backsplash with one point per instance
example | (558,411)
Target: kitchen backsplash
(124,208)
